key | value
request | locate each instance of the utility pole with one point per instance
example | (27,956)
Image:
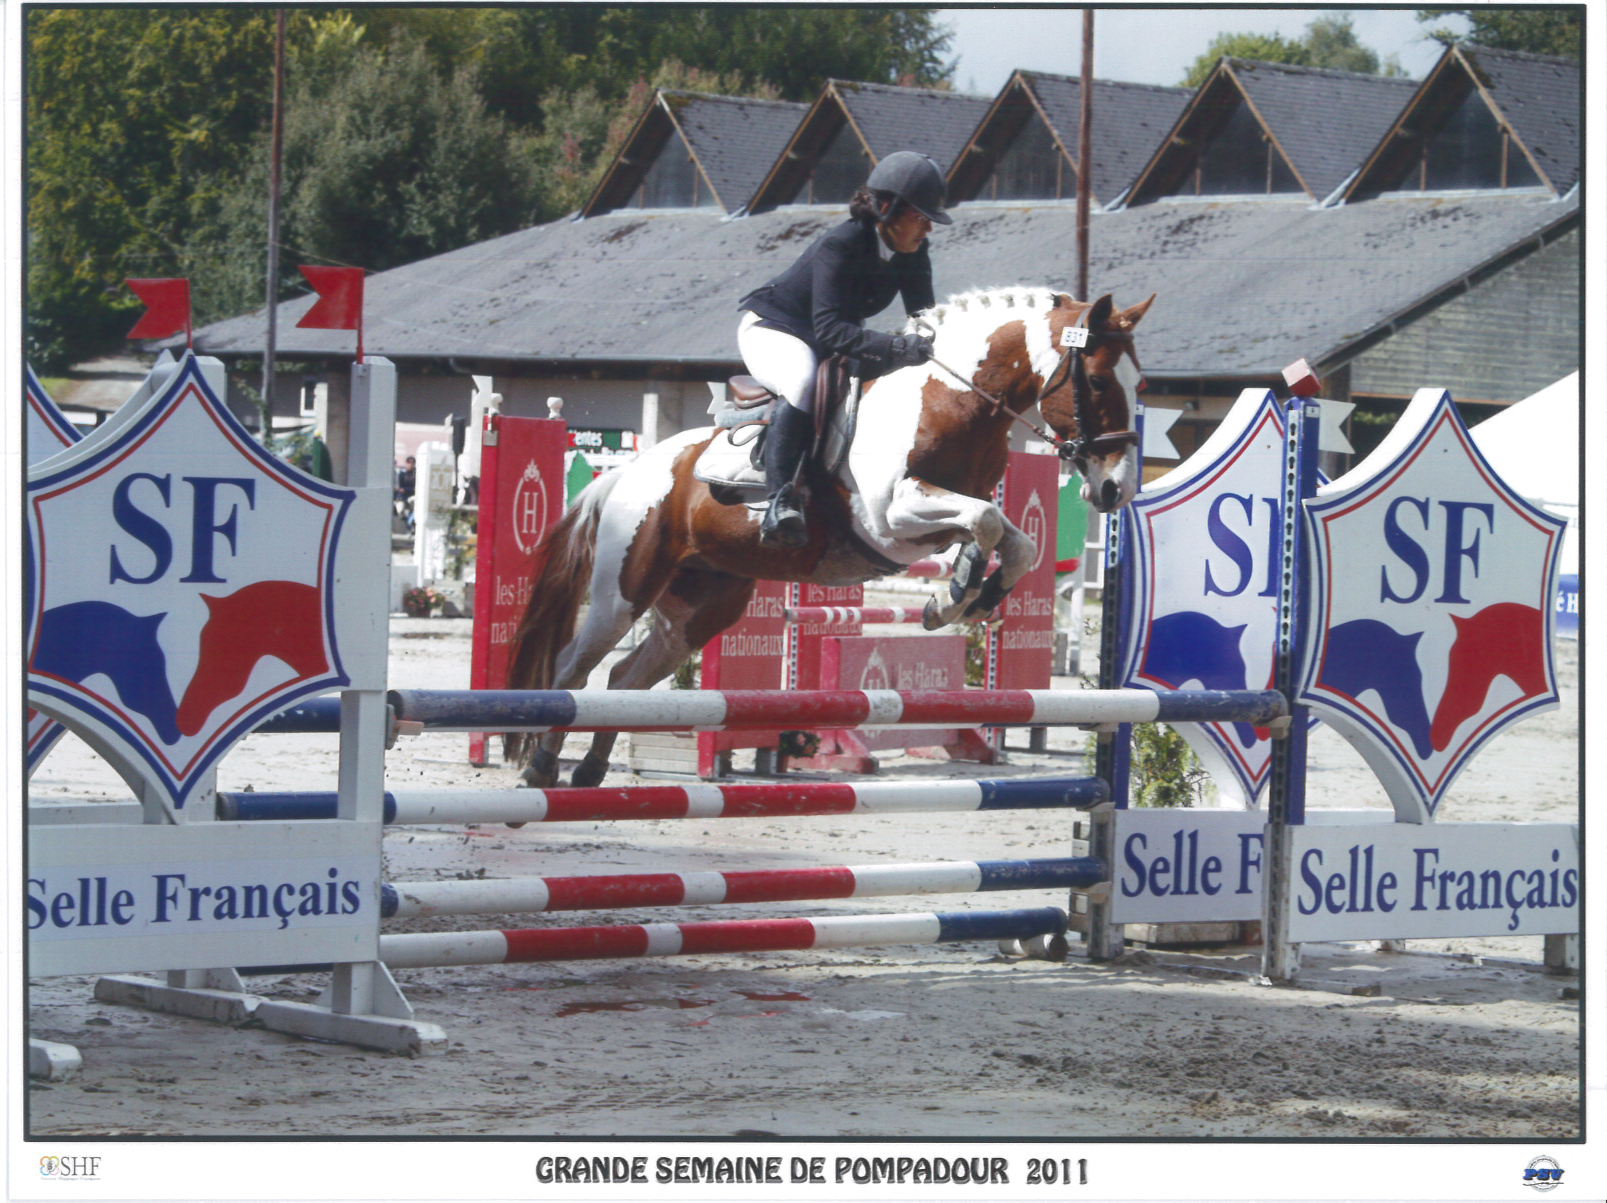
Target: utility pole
(1085,127)
(276,154)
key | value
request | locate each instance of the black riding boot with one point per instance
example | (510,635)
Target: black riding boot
(786,443)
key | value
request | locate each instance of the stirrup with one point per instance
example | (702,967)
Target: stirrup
(784,523)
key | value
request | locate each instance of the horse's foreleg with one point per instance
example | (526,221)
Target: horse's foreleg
(919,509)
(1016,556)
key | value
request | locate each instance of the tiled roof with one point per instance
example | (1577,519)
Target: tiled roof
(887,119)
(734,140)
(1245,287)
(1129,121)
(891,118)
(1325,121)
(1539,97)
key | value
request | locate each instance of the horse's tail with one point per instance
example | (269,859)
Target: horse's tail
(560,572)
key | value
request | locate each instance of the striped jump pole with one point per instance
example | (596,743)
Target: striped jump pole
(770,709)
(436,949)
(737,801)
(412,900)
(927,568)
(836,615)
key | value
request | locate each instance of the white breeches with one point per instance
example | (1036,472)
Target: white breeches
(783,364)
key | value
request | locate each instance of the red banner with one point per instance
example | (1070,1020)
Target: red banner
(1021,650)
(521,495)
(167,307)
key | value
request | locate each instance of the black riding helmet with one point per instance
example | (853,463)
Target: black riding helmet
(916,180)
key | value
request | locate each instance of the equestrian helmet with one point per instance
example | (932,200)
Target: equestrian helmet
(915,179)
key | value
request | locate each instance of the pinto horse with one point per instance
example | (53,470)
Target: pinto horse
(932,442)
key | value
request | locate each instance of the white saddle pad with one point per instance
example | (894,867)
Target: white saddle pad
(731,464)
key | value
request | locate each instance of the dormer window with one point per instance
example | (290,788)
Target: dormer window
(1472,151)
(1032,168)
(1240,160)
(842,167)
(673,181)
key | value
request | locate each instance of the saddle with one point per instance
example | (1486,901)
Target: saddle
(733,464)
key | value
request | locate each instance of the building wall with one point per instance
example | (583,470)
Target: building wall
(1501,341)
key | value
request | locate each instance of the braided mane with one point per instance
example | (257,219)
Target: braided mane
(991,301)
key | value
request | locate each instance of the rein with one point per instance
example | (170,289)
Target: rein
(1079,449)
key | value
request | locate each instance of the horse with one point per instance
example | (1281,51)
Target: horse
(931,444)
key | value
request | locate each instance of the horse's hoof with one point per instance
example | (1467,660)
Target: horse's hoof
(987,601)
(589,772)
(932,615)
(542,771)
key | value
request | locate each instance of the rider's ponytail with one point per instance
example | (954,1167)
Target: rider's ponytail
(867,206)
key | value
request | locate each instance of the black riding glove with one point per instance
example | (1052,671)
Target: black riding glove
(908,351)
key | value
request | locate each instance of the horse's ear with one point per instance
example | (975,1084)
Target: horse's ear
(1099,315)
(1130,317)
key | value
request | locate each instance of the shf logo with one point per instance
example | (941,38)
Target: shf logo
(1204,607)
(529,509)
(179,584)
(1431,606)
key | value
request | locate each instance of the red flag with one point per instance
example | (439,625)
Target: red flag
(167,307)
(340,301)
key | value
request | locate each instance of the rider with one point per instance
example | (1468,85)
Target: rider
(818,307)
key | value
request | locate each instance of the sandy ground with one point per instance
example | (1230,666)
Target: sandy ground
(1452,1039)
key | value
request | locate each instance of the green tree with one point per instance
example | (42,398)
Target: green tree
(126,154)
(1329,41)
(1554,31)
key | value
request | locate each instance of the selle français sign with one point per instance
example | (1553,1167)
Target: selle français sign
(180,585)
(1431,605)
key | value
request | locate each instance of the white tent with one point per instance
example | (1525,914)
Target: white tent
(1534,446)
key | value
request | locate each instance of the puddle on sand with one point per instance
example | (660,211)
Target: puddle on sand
(675,1004)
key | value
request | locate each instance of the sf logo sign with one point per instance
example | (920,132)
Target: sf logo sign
(1432,605)
(179,585)
(1207,537)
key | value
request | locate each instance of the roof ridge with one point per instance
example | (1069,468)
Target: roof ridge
(732,99)
(1112,83)
(865,83)
(1530,55)
(1333,72)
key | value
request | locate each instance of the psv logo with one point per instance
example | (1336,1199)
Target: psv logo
(179,585)
(1431,609)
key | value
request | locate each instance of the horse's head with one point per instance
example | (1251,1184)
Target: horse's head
(1088,396)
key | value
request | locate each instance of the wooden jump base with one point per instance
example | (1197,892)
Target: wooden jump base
(411,900)
(437,949)
(600,804)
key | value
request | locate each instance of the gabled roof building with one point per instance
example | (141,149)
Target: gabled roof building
(1026,145)
(1384,284)
(690,150)
(1482,119)
(853,125)
(1268,129)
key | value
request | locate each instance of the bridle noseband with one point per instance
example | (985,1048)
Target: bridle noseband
(1082,448)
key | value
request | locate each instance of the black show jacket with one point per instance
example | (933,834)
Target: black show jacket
(826,295)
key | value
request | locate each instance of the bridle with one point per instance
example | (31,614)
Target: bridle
(1082,448)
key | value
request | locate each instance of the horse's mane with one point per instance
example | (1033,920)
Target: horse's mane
(992,302)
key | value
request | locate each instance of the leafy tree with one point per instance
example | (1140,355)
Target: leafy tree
(408,131)
(1555,31)
(125,154)
(1329,41)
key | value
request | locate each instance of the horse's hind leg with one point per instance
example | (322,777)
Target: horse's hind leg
(695,608)
(605,625)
